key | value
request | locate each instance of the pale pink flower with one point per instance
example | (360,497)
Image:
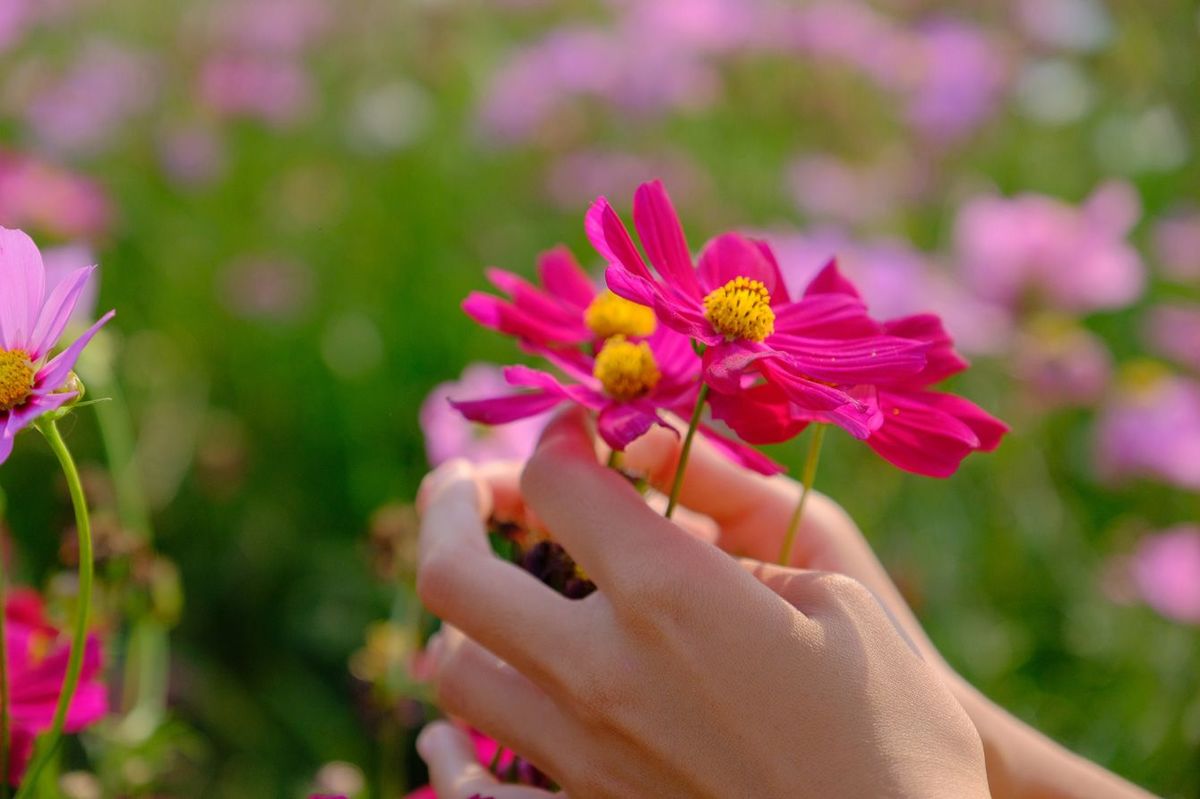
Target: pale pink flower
(1173,331)
(192,156)
(1034,248)
(448,435)
(958,76)
(1062,364)
(1166,570)
(31,382)
(277,91)
(1150,428)
(50,200)
(1177,245)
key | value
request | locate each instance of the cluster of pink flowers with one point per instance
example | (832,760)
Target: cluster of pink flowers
(670,332)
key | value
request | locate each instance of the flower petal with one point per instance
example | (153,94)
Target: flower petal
(500,410)
(661,234)
(780,295)
(57,310)
(730,256)
(22,287)
(55,373)
(622,423)
(830,280)
(609,237)
(564,278)
(941,361)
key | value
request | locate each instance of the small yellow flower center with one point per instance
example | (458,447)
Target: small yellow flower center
(610,315)
(16,378)
(741,309)
(626,370)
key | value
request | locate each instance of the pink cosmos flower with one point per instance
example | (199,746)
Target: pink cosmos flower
(916,429)
(735,302)
(1040,248)
(277,91)
(1150,427)
(1062,364)
(1177,245)
(31,322)
(37,664)
(448,435)
(1166,571)
(626,366)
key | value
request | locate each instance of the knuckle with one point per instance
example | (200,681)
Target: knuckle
(846,593)
(435,582)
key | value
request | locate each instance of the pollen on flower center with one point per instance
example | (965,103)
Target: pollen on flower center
(610,315)
(626,370)
(16,378)
(741,309)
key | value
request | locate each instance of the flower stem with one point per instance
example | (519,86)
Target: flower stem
(49,742)
(807,477)
(614,459)
(681,467)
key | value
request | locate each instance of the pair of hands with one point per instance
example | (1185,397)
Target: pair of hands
(688,673)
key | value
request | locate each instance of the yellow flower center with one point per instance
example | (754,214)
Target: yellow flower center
(741,309)
(626,370)
(16,378)
(610,315)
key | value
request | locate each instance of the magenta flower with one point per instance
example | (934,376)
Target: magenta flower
(486,750)
(31,322)
(734,301)
(1037,248)
(36,195)
(37,664)
(919,430)
(1150,428)
(1166,571)
(448,435)
(593,336)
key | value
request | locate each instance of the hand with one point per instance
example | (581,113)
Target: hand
(684,675)
(751,514)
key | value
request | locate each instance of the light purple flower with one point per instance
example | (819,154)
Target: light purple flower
(1062,364)
(895,280)
(83,109)
(32,383)
(1173,331)
(1036,248)
(449,435)
(281,27)
(1166,570)
(192,156)
(1177,245)
(274,90)
(1150,428)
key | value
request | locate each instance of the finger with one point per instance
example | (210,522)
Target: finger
(456,774)
(594,512)
(474,685)
(503,479)
(754,511)
(459,579)
(814,593)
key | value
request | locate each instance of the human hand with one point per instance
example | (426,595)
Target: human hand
(684,675)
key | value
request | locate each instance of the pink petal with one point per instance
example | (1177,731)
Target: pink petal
(610,238)
(987,428)
(941,359)
(504,317)
(622,423)
(780,294)
(564,278)
(535,378)
(501,410)
(826,316)
(662,236)
(830,280)
(531,299)
(23,278)
(55,373)
(918,437)
(740,453)
(759,415)
(57,310)
(730,256)
(874,360)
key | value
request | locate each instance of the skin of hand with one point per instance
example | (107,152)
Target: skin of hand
(687,674)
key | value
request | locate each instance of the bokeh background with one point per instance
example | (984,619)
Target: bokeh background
(290,198)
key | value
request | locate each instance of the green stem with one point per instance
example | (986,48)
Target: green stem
(614,459)
(50,740)
(807,477)
(681,467)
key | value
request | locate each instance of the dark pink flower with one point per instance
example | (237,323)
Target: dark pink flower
(37,663)
(32,383)
(1166,571)
(919,430)
(735,302)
